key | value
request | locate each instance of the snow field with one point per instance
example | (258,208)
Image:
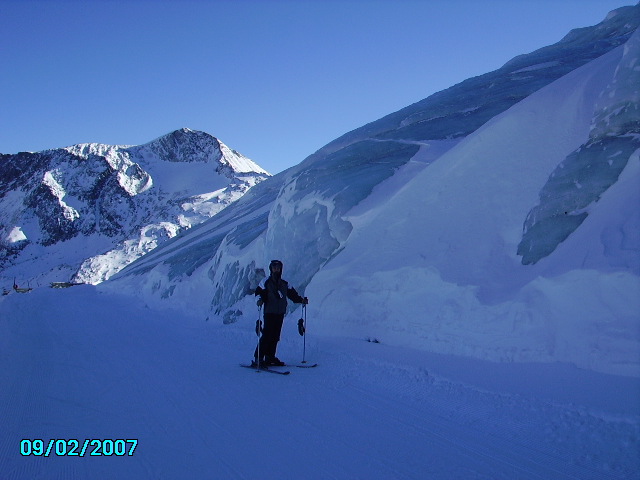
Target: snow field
(80,364)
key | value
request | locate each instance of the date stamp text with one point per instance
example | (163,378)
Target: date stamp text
(76,448)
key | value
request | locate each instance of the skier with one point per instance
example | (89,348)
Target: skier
(274,298)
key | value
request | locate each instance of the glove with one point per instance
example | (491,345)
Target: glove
(305,301)
(301,327)
(260,302)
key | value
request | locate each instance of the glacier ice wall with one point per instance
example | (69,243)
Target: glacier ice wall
(593,167)
(437,266)
(306,223)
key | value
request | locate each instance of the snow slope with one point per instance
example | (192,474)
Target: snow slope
(445,252)
(77,364)
(497,219)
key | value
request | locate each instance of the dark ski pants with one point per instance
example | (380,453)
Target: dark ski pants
(270,335)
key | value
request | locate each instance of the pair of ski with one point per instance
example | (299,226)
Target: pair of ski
(274,370)
(301,330)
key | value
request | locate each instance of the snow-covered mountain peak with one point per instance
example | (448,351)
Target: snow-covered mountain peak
(104,205)
(188,146)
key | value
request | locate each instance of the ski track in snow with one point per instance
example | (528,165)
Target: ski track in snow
(76,364)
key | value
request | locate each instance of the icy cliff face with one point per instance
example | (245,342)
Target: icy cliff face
(97,208)
(410,229)
(589,171)
(436,266)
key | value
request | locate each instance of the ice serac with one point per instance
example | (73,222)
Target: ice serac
(85,211)
(592,168)
(410,228)
(307,223)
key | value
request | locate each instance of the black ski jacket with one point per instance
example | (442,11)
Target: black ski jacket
(275,294)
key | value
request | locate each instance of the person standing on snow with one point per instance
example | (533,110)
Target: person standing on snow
(274,298)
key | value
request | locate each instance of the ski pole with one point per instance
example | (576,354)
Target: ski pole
(302,330)
(258,330)
(304,337)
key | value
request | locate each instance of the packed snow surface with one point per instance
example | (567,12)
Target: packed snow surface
(81,365)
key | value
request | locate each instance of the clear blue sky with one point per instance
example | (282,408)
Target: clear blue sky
(275,80)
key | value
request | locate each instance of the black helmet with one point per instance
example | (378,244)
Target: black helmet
(275,265)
